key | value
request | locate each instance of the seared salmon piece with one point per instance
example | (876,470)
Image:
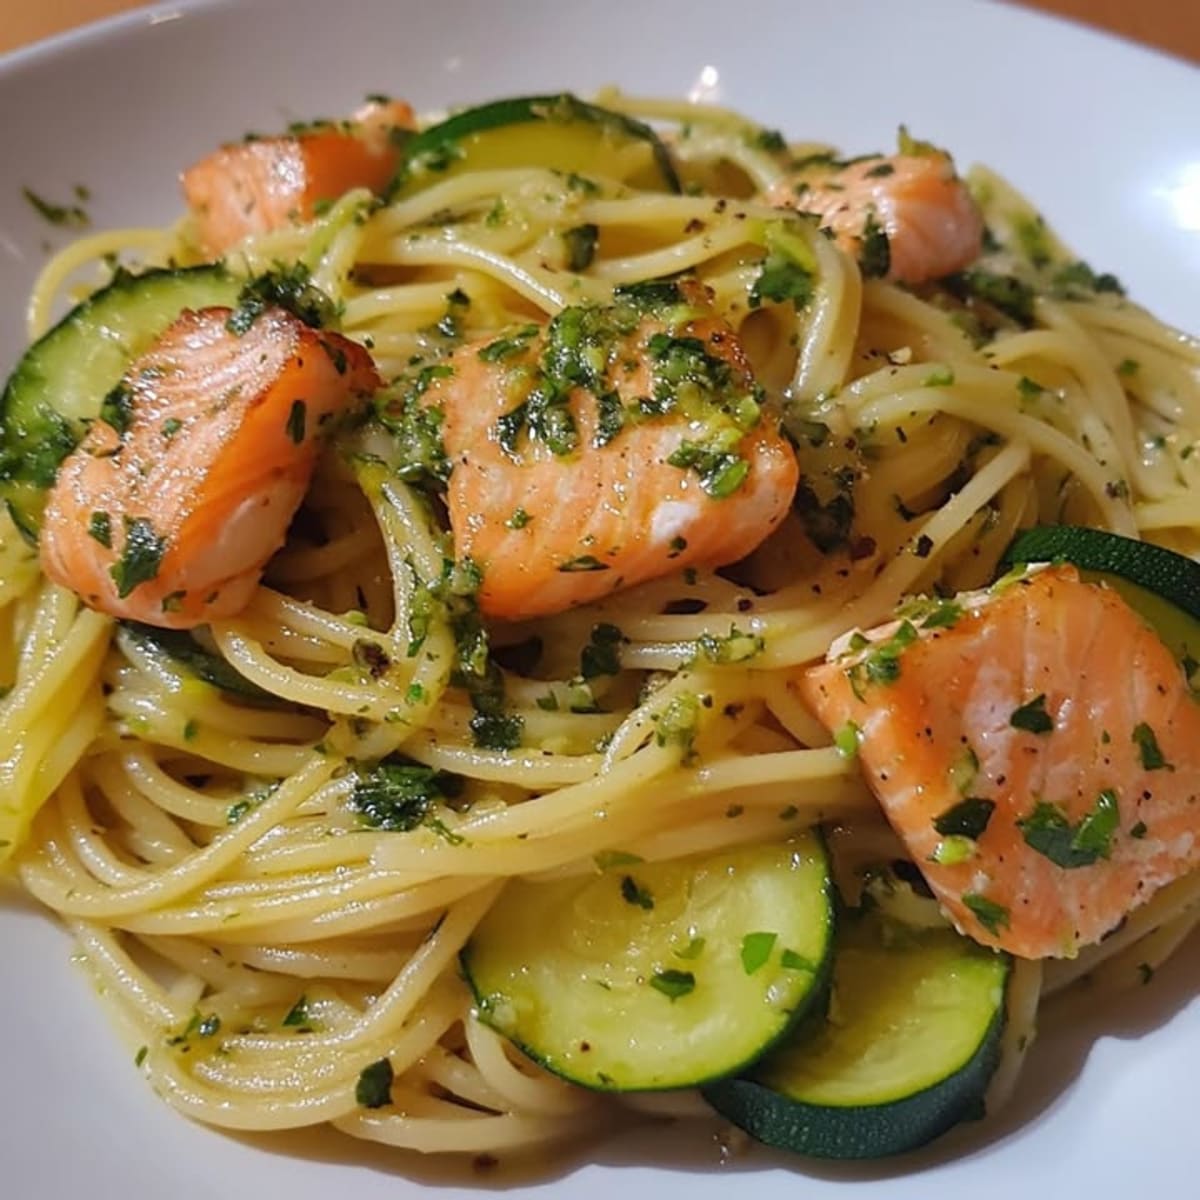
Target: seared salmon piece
(663,455)
(1037,750)
(170,507)
(906,217)
(266,183)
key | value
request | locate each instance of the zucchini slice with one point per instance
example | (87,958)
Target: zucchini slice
(63,378)
(648,977)
(1160,585)
(560,132)
(913,1037)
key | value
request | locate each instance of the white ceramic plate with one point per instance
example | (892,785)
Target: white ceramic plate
(1102,135)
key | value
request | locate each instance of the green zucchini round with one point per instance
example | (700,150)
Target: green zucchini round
(652,976)
(559,132)
(63,378)
(911,1041)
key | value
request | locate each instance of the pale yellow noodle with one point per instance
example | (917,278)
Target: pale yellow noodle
(238,915)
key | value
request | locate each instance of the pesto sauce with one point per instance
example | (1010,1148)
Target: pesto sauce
(583,343)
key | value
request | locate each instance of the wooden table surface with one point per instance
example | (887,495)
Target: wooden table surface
(1172,25)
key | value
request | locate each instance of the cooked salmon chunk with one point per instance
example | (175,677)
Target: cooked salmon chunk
(169,508)
(1037,750)
(266,183)
(606,449)
(907,217)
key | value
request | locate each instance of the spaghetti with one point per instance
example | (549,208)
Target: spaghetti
(265,946)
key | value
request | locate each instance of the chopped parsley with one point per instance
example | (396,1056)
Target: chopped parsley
(397,795)
(141,557)
(770,140)
(788,271)
(781,280)
(510,346)
(692,950)
(1139,830)
(68,216)
(100,529)
(116,409)
(450,323)
(756,950)
(284,286)
(497,731)
(374,1087)
(882,664)
(721,472)
(968,818)
(420,455)
(676,724)
(583,343)
(298,1016)
(945,616)
(580,183)
(610,418)
(673,984)
(1009,295)
(875,250)
(827,523)
(601,656)
(1078,277)
(1029,388)
(1148,749)
(1048,830)
(519,519)
(633,893)
(452,598)
(581,246)
(735,647)
(197,1026)
(650,297)
(236,811)
(992,916)
(1032,716)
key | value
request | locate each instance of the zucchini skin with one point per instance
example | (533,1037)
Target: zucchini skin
(812,1005)
(1171,576)
(519,110)
(919,1018)
(35,435)
(862,1131)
